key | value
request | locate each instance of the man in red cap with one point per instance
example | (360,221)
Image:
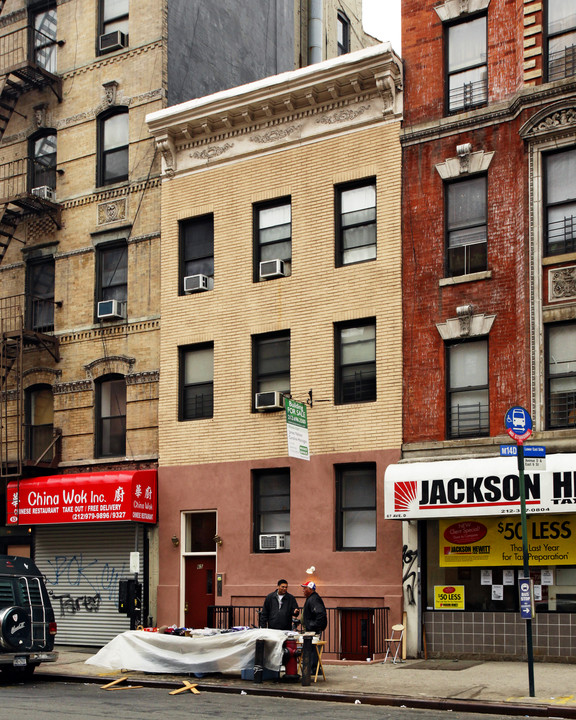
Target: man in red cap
(314,617)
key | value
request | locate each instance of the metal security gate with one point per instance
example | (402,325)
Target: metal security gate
(83,565)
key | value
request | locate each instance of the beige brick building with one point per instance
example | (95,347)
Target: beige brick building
(281,278)
(80,265)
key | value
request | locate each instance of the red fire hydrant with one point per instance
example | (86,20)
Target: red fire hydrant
(290,661)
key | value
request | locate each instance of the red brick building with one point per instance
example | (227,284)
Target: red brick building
(489,277)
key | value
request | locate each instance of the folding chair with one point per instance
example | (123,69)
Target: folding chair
(394,643)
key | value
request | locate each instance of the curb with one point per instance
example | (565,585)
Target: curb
(452,704)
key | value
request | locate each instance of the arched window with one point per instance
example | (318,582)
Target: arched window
(113,147)
(111,416)
(39,413)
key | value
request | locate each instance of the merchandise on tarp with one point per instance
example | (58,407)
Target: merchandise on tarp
(225,652)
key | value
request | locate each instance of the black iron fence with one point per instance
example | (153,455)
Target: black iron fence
(353,633)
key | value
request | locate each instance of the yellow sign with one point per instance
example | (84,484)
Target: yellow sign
(498,541)
(448,597)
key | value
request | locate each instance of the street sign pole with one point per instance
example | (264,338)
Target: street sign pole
(526,563)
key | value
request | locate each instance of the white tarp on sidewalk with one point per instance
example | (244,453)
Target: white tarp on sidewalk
(158,652)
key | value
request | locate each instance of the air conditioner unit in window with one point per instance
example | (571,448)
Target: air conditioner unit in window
(273,542)
(269,401)
(196,283)
(44,192)
(112,41)
(271,269)
(110,310)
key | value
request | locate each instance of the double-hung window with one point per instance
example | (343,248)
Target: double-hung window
(561,375)
(111,416)
(40,294)
(196,253)
(561,27)
(560,201)
(271,495)
(355,373)
(39,423)
(356,507)
(271,366)
(197,382)
(355,222)
(113,141)
(113,272)
(43,166)
(272,239)
(113,25)
(468,403)
(466,226)
(343,33)
(467,70)
(45,40)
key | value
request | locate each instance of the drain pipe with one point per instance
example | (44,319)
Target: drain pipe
(315,32)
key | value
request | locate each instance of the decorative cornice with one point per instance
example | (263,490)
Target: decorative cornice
(452,9)
(109,364)
(95,333)
(466,324)
(552,119)
(466,163)
(150,376)
(72,387)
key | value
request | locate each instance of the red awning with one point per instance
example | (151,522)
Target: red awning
(127,495)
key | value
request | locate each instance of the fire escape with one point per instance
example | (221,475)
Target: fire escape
(27,64)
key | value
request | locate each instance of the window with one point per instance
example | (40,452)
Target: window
(560,201)
(272,238)
(113,147)
(196,382)
(466,226)
(43,166)
(467,69)
(468,389)
(40,295)
(356,507)
(111,416)
(113,25)
(561,25)
(113,272)
(271,489)
(196,248)
(355,373)
(271,359)
(356,222)
(561,379)
(45,42)
(343,34)
(39,411)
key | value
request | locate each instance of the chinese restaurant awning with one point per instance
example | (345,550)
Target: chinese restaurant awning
(124,496)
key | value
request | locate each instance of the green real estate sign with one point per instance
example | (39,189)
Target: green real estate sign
(297,429)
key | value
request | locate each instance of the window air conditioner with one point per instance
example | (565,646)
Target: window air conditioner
(269,401)
(196,283)
(112,41)
(110,310)
(45,193)
(273,542)
(271,269)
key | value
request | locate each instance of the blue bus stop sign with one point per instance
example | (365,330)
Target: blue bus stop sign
(518,424)
(526,596)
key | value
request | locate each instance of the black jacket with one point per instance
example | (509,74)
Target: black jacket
(314,617)
(275,616)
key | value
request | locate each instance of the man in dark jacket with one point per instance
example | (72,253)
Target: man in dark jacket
(314,617)
(279,608)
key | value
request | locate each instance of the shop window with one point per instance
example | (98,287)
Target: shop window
(355,372)
(271,370)
(355,222)
(113,32)
(39,412)
(466,231)
(271,498)
(561,376)
(40,294)
(196,254)
(467,70)
(113,139)
(111,416)
(272,239)
(561,36)
(45,42)
(343,25)
(356,507)
(197,382)
(560,201)
(468,408)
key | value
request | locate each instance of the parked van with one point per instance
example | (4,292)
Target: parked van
(27,625)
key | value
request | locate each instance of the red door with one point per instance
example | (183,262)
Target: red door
(357,628)
(199,590)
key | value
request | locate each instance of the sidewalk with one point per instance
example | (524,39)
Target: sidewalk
(475,686)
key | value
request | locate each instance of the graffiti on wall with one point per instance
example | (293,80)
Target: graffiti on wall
(409,576)
(70,605)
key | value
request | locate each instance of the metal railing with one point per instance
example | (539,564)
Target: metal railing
(562,409)
(469,420)
(352,633)
(562,236)
(26,312)
(562,64)
(25,45)
(468,95)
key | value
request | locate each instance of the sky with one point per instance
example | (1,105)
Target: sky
(382,20)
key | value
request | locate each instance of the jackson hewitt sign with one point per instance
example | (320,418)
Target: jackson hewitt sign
(484,486)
